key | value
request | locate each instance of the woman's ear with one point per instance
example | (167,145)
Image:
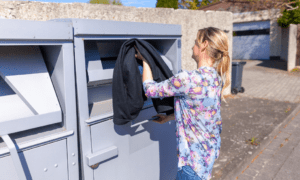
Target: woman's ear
(205,44)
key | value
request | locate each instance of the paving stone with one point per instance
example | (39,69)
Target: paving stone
(278,159)
(283,135)
(251,172)
(287,147)
(296,120)
(289,129)
(245,177)
(258,164)
(278,91)
(287,174)
(268,152)
(275,144)
(264,176)
(268,172)
(290,169)
(266,156)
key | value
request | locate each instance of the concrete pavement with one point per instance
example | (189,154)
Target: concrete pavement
(245,118)
(267,110)
(279,159)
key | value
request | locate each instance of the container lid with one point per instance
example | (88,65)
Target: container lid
(238,63)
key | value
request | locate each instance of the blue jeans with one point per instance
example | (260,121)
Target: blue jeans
(187,173)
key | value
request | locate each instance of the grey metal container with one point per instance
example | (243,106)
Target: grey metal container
(37,101)
(236,78)
(138,150)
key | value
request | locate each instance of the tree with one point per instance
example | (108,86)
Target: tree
(195,4)
(167,3)
(99,1)
(113,2)
(116,2)
(290,15)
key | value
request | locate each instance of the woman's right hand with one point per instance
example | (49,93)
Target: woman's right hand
(163,118)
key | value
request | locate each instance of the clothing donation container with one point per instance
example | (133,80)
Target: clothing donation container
(140,149)
(37,101)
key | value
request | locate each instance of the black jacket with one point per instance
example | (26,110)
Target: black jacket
(127,86)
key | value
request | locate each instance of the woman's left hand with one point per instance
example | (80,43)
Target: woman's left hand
(139,55)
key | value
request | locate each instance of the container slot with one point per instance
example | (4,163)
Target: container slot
(24,70)
(26,89)
(100,100)
(101,56)
(109,62)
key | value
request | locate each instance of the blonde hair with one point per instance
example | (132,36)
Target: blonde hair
(217,50)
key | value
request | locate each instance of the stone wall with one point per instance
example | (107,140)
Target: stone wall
(190,20)
(289,46)
(298,46)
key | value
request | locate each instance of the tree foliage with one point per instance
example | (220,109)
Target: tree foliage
(113,2)
(167,3)
(195,4)
(291,15)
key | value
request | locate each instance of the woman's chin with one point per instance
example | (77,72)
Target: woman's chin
(194,58)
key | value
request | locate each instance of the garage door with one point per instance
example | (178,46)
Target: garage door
(251,40)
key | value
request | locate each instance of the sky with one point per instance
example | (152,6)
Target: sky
(136,3)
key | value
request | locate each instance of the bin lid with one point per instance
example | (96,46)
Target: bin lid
(16,29)
(116,28)
(239,63)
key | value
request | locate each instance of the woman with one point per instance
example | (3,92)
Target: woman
(197,103)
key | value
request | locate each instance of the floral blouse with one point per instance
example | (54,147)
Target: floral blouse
(197,114)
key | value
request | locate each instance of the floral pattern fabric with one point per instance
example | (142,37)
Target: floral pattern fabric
(197,114)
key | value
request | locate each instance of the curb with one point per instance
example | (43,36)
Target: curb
(263,144)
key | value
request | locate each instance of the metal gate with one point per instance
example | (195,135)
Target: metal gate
(251,40)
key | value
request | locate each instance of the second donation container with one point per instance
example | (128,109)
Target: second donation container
(141,149)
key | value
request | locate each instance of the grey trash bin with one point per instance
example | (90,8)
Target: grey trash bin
(236,78)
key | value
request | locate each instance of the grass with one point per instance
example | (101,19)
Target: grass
(295,70)
(288,109)
(252,141)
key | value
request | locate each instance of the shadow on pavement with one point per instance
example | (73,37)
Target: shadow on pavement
(275,64)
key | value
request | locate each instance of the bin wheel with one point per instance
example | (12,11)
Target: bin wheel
(242,90)
(234,91)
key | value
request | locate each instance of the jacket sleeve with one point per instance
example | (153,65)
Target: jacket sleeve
(177,85)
